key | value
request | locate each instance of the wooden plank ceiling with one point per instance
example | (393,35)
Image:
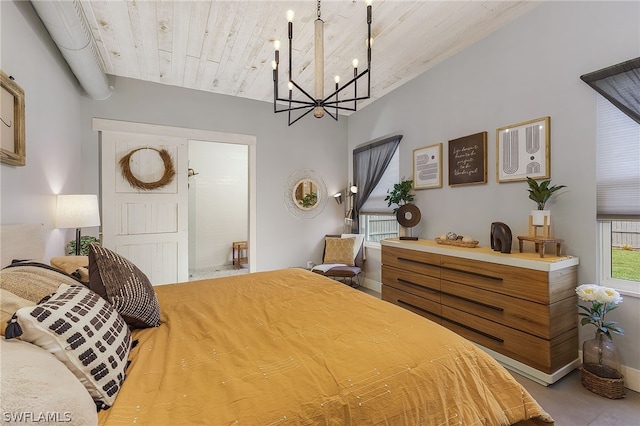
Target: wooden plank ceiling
(226,47)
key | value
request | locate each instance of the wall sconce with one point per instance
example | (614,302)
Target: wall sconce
(354,190)
(338,197)
(77,211)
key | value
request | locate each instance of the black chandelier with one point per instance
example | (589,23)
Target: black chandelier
(320,104)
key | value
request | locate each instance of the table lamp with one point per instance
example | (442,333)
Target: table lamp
(77,211)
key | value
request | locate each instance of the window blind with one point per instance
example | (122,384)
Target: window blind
(617,163)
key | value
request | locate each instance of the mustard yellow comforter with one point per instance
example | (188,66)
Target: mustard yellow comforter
(291,347)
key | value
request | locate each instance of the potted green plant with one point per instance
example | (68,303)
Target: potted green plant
(540,193)
(407,214)
(400,194)
(85,242)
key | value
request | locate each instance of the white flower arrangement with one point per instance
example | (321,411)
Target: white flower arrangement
(603,300)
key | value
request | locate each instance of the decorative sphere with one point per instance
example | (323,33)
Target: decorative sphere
(443,237)
(467,239)
(452,236)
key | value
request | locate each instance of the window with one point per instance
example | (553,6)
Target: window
(377,227)
(618,180)
(377,220)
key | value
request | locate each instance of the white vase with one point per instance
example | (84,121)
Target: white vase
(538,217)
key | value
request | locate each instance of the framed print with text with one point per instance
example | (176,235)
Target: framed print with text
(427,167)
(468,159)
(522,150)
(12,133)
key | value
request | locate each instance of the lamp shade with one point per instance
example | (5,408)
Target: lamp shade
(77,211)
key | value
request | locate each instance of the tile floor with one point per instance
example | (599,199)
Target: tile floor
(569,403)
(215,272)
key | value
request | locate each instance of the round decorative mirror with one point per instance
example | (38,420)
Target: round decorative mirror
(305,194)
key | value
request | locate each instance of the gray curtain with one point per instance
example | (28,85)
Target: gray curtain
(620,84)
(369,163)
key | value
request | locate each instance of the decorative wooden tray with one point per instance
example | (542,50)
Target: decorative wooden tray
(457,243)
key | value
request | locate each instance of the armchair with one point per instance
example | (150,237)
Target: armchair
(342,258)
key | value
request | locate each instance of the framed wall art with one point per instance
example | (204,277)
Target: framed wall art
(468,159)
(427,167)
(12,133)
(522,150)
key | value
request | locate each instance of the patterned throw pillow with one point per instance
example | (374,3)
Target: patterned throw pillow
(85,333)
(33,280)
(123,285)
(339,250)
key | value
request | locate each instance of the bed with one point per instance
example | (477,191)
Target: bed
(293,347)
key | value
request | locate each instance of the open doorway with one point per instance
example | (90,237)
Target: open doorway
(218,208)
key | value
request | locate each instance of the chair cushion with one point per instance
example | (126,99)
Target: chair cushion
(339,250)
(342,271)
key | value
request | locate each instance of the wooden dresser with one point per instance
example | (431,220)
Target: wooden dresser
(518,307)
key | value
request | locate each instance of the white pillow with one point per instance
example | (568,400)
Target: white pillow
(34,383)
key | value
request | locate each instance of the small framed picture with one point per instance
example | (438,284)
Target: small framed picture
(427,167)
(522,150)
(12,131)
(468,159)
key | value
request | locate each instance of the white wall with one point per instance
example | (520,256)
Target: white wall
(529,69)
(53,134)
(62,150)
(282,239)
(218,201)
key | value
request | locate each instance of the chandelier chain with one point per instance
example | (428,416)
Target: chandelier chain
(318,9)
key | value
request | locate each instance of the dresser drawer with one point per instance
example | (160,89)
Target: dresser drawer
(413,261)
(544,355)
(516,313)
(411,282)
(522,283)
(413,303)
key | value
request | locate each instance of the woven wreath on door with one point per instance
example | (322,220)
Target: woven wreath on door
(168,174)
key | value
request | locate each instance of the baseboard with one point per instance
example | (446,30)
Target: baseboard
(631,378)
(372,285)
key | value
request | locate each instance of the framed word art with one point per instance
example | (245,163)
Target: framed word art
(12,140)
(427,167)
(468,159)
(522,150)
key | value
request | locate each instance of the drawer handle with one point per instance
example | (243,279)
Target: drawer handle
(473,273)
(404,259)
(497,339)
(402,302)
(475,302)
(412,284)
